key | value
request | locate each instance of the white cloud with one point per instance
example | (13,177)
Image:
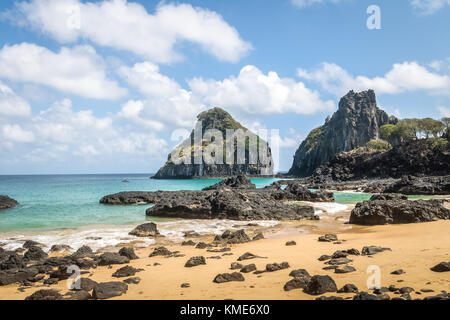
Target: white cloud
(308,3)
(11,104)
(403,77)
(132,110)
(164,98)
(253,92)
(77,70)
(128,26)
(250,93)
(429,6)
(15,133)
(60,132)
(445,111)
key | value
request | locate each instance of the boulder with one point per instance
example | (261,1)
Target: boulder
(31,243)
(230,237)
(227,277)
(248,268)
(258,236)
(129,253)
(80,295)
(35,254)
(7,202)
(195,261)
(299,273)
(106,290)
(320,285)
(381,212)
(126,271)
(371,250)
(348,288)
(299,282)
(188,243)
(60,247)
(328,238)
(344,269)
(132,280)
(364,296)
(83,252)
(45,294)
(248,256)
(160,251)
(109,258)
(271,267)
(441,267)
(84,284)
(145,230)
(236,266)
(8,277)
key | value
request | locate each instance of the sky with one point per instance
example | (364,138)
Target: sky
(109,86)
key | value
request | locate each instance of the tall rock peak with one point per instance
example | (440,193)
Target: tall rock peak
(356,122)
(218,120)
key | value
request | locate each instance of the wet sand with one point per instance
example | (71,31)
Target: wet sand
(415,249)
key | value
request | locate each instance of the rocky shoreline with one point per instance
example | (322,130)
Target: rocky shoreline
(243,260)
(235,198)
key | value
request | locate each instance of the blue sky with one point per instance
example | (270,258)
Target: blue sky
(101,86)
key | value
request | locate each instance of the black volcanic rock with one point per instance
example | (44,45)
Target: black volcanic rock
(320,285)
(217,119)
(421,185)
(7,202)
(356,122)
(388,196)
(417,157)
(230,204)
(380,212)
(145,230)
(230,237)
(237,182)
(441,267)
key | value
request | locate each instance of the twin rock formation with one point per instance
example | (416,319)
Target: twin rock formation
(356,122)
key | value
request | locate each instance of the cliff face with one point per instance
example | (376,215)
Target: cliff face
(221,121)
(355,123)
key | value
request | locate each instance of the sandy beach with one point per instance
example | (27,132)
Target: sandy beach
(415,249)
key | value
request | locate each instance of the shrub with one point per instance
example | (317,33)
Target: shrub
(378,145)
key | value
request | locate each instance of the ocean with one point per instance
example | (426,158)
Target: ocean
(65,209)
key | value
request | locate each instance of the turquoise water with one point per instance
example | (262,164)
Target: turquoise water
(69,201)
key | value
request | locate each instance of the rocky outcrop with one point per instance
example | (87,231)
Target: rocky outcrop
(379,212)
(233,198)
(356,122)
(221,121)
(145,230)
(238,182)
(230,204)
(7,202)
(420,157)
(421,185)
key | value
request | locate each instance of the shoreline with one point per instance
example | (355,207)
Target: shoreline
(415,249)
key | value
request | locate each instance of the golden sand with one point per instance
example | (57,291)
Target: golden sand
(415,248)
